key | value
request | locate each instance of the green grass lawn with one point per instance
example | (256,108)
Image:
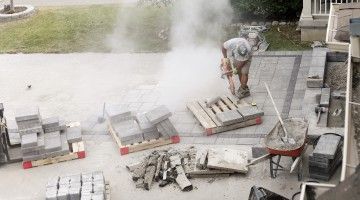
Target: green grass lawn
(74,29)
(88,28)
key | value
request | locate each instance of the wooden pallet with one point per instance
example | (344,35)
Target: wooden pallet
(126,149)
(207,116)
(77,152)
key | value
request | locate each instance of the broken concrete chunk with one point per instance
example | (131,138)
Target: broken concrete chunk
(228,159)
(175,160)
(250,112)
(133,166)
(139,171)
(148,178)
(158,114)
(158,167)
(229,117)
(201,159)
(29,140)
(27,113)
(183,182)
(73,134)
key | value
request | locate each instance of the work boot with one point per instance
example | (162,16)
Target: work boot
(243,92)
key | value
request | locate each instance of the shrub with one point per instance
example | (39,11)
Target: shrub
(267,9)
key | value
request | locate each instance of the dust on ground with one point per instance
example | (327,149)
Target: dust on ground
(296,129)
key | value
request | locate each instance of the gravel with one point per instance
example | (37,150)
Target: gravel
(335,76)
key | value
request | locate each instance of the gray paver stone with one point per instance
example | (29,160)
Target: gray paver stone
(250,112)
(50,122)
(229,117)
(327,146)
(158,114)
(325,97)
(27,113)
(52,142)
(166,129)
(144,123)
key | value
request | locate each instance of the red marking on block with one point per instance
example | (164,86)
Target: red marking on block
(81,154)
(175,139)
(208,131)
(258,120)
(27,165)
(124,150)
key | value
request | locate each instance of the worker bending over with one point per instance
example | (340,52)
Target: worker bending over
(237,59)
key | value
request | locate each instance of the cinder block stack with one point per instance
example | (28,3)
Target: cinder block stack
(133,128)
(326,157)
(85,186)
(40,139)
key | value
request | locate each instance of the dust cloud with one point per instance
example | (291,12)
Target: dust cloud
(191,68)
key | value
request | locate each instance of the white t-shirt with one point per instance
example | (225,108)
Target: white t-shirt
(231,45)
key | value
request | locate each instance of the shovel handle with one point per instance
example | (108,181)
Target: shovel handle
(277,112)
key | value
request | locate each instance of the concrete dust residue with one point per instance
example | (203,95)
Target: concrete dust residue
(296,129)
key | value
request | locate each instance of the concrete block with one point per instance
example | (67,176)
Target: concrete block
(28,124)
(73,134)
(29,140)
(158,114)
(144,123)
(87,187)
(325,97)
(250,112)
(229,117)
(86,196)
(63,193)
(74,193)
(64,180)
(98,176)
(327,146)
(166,129)
(51,194)
(53,182)
(27,113)
(97,196)
(39,148)
(99,186)
(86,177)
(50,122)
(314,82)
(35,129)
(12,126)
(75,179)
(52,142)
(64,147)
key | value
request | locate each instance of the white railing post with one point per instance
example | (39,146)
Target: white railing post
(306,13)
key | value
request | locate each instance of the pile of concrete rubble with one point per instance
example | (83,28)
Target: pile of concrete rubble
(174,166)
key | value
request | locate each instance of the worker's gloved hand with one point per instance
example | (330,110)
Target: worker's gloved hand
(226,66)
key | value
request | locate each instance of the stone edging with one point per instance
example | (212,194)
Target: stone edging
(30,10)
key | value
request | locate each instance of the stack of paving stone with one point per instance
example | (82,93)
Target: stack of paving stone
(44,138)
(239,115)
(134,128)
(326,157)
(85,186)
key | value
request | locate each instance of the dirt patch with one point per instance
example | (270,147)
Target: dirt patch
(356,98)
(335,76)
(296,129)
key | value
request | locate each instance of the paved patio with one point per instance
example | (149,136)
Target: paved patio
(75,87)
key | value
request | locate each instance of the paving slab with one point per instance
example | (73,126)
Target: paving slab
(35,129)
(327,146)
(229,117)
(128,131)
(158,114)
(250,112)
(228,159)
(144,123)
(325,97)
(117,113)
